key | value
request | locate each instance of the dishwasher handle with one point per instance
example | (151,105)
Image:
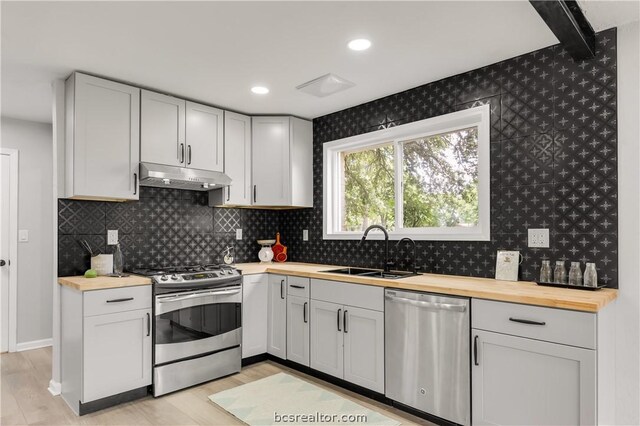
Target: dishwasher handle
(429,305)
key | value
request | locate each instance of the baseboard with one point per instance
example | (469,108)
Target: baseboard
(34,344)
(55,388)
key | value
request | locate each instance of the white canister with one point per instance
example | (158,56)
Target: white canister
(102,264)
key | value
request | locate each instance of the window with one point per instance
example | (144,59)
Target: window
(425,180)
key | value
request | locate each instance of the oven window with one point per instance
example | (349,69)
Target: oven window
(197,322)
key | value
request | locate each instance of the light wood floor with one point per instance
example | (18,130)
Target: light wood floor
(26,400)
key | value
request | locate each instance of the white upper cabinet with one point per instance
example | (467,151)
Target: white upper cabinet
(102,139)
(237,159)
(162,129)
(179,133)
(204,137)
(282,162)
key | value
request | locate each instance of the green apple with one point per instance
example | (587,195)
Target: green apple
(91,273)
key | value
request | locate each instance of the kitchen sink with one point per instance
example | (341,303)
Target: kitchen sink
(373,273)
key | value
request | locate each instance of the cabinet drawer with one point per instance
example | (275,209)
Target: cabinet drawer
(98,302)
(358,295)
(298,286)
(548,324)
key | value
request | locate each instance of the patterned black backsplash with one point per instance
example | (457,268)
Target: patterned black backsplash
(166,227)
(553,165)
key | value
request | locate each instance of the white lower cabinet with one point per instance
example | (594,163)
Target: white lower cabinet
(327,353)
(105,345)
(117,353)
(347,335)
(277,316)
(517,379)
(255,301)
(364,347)
(298,329)
(524,381)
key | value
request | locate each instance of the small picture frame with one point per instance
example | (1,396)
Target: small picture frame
(507,264)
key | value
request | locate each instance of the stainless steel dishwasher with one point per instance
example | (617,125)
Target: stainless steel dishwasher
(427,358)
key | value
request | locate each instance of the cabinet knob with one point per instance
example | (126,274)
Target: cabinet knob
(2,262)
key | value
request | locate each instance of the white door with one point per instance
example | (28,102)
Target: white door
(298,329)
(205,137)
(277,321)
(5,214)
(162,129)
(524,381)
(255,299)
(237,158)
(271,161)
(327,338)
(106,139)
(364,347)
(117,353)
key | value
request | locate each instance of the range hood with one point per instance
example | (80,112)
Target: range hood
(162,176)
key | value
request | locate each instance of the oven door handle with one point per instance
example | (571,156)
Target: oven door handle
(167,299)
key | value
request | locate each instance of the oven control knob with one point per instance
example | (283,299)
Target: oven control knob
(174,277)
(223,272)
(163,278)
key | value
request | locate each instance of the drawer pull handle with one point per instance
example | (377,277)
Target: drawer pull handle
(148,324)
(297,286)
(126,299)
(475,350)
(344,321)
(524,321)
(282,289)
(339,312)
(304,312)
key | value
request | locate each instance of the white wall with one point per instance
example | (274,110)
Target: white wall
(628,305)
(35,261)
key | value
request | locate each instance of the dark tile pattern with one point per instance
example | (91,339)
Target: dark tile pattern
(553,164)
(166,227)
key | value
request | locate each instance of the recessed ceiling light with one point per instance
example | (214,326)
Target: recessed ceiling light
(359,44)
(259,90)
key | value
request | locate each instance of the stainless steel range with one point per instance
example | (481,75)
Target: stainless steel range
(197,324)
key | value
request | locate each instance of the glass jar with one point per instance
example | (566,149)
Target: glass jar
(545,272)
(590,275)
(560,273)
(575,274)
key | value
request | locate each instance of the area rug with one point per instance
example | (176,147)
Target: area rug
(284,399)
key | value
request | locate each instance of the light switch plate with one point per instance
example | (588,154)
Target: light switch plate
(23,235)
(239,234)
(539,238)
(112,237)
(305,235)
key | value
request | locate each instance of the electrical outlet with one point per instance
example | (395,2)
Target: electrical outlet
(539,238)
(305,235)
(112,237)
(239,234)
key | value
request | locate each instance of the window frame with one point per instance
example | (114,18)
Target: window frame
(473,117)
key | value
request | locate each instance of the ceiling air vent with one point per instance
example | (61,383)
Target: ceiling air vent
(325,85)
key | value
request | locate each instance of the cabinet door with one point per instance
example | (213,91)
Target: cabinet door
(277,321)
(301,162)
(104,141)
(162,129)
(517,380)
(205,137)
(117,353)
(237,158)
(364,347)
(271,161)
(255,299)
(327,338)
(298,329)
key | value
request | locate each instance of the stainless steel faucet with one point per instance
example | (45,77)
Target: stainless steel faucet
(387,261)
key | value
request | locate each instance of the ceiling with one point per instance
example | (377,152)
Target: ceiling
(214,52)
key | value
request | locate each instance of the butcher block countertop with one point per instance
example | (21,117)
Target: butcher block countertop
(102,282)
(525,292)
